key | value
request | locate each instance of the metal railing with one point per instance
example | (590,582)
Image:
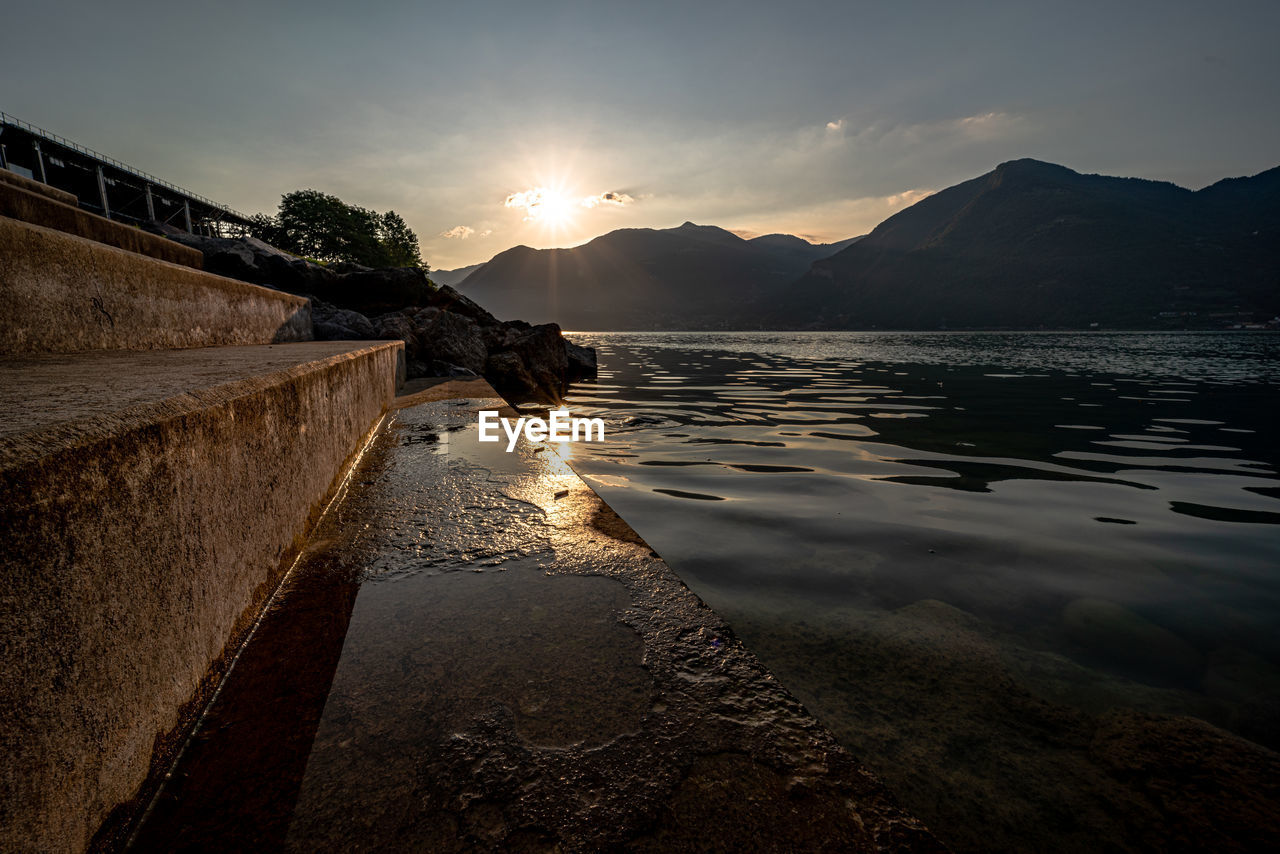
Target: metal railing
(8,119)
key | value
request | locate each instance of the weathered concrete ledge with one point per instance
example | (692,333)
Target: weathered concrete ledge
(150,502)
(39,207)
(64,293)
(24,183)
(475,653)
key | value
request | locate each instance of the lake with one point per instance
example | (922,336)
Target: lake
(1032,580)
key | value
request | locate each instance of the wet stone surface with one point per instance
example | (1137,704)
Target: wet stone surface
(464,661)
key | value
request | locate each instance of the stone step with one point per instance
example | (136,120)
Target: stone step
(24,183)
(475,653)
(64,293)
(150,502)
(40,207)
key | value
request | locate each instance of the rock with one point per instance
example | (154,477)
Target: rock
(1213,790)
(444,369)
(582,360)
(498,338)
(378,291)
(396,326)
(1251,686)
(250,260)
(339,324)
(542,350)
(341,267)
(444,332)
(509,377)
(448,299)
(450,338)
(1119,635)
(349,286)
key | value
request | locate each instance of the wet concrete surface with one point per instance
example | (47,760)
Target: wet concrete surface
(117,384)
(476,654)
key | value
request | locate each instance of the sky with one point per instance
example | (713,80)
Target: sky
(492,124)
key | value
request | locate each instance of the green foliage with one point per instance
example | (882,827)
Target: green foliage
(399,241)
(317,225)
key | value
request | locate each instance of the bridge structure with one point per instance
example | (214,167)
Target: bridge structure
(109,188)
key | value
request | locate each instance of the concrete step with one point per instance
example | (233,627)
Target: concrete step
(64,293)
(151,502)
(24,183)
(38,207)
(475,653)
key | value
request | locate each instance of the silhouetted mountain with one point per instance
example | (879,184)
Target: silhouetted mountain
(452,277)
(800,250)
(1033,244)
(689,277)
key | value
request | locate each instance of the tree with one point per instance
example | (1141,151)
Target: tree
(320,226)
(399,241)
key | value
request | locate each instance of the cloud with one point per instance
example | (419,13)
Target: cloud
(987,125)
(459,232)
(530,201)
(838,124)
(908,197)
(612,198)
(541,202)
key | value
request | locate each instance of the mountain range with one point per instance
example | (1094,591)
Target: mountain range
(688,277)
(1027,245)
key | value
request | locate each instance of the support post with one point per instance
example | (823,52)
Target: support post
(40,161)
(151,205)
(102,193)
(186,213)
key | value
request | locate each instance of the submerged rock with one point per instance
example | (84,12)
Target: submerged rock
(1114,632)
(1216,791)
(935,700)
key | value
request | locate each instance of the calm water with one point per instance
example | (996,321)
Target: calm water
(998,566)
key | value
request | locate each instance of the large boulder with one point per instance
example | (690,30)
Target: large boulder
(379,291)
(446,298)
(542,349)
(582,361)
(250,260)
(452,339)
(500,337)
(509,377)
(397,326)
(339,324)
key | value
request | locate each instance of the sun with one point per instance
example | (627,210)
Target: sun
(556,210)
(550,207)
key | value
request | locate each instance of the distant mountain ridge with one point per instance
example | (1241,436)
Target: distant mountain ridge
(453,277)
(1027,245)
(688,277)
(1033,244)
